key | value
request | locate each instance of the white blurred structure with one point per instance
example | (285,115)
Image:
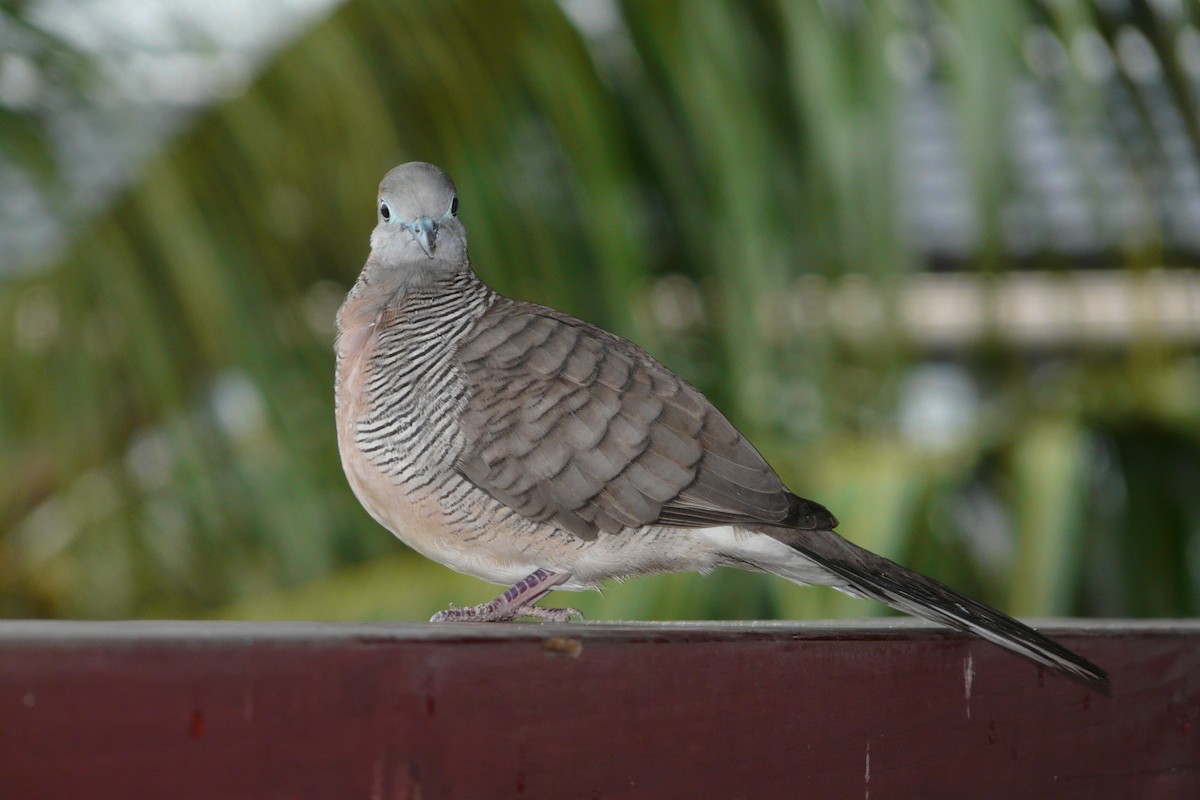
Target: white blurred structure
(109,82)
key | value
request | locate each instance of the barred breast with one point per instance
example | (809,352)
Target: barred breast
(400,393)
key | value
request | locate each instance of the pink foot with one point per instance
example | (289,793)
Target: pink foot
(515,603)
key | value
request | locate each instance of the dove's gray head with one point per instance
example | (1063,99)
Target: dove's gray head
(417,224)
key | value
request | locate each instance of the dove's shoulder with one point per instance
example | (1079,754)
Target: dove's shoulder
(511,329)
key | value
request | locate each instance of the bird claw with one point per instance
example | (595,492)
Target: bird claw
(489,613)
(552,614)
(515,603)
(486,612)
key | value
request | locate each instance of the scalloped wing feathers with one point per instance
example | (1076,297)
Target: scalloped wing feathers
(572,425)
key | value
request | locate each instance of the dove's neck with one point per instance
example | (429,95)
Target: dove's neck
(396,277)
(384,290)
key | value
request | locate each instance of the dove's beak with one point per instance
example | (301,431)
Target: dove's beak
(424,230)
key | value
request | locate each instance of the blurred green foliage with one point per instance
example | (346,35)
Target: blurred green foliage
(166,434)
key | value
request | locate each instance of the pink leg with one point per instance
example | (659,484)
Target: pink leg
(515,602)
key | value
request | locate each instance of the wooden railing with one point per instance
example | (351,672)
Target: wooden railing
(755,710)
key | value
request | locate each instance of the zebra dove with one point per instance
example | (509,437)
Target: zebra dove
(517,444)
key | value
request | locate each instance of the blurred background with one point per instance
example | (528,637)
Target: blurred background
(937,258)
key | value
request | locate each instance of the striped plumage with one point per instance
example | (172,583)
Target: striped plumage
(518,444)
(414,373)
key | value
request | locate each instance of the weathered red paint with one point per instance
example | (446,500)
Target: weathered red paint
(290,710)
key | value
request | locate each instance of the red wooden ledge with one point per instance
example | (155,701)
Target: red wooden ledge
(330,710)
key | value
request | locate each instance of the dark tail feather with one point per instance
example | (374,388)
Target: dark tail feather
(874,576)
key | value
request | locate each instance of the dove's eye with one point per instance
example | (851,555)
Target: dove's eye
(385,212)
(454,207)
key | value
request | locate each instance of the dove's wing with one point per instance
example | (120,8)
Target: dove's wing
(571,425)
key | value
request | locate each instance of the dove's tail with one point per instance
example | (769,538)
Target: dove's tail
(863,573)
